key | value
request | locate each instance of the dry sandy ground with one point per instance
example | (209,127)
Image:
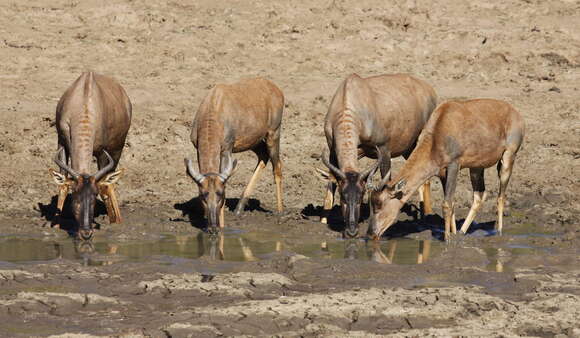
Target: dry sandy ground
(167,54)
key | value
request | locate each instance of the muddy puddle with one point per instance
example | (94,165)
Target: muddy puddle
(240,246)
(229,247)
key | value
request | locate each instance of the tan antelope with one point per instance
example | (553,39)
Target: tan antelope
(93,118)
(474,134)
(234,118)
(378,117)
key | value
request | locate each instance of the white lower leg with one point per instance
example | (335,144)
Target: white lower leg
(499,223)
(478,199)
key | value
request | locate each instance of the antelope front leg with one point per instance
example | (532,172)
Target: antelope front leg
(107,193)
(425,199)
(249,188)
(328,202)
(278,179)
(449,191)
(222,216)
(62,192)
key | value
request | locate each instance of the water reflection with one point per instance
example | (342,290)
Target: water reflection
(394,251)
(220,247)
(421,255)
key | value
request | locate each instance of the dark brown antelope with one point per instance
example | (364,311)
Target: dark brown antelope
(474,134)
(92,119)
(378,117)
(234,118)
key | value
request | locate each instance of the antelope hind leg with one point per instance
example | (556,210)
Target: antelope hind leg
(250,187)
(504,170)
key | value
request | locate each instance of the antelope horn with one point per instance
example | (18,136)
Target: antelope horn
(107,168)
(383,182)
(335,171)
(63,165)
(197,177)
(373,168)
(229,168)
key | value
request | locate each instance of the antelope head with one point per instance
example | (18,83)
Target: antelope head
(84,190)
(352,187)
(212,189)
(385,205)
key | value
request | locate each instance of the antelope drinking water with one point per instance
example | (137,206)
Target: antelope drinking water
(92,119)
(474,134)
(378,117)
(234,118)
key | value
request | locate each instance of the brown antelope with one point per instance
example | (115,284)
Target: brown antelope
(92,119)
(234,118)
(474,134)
(378,117)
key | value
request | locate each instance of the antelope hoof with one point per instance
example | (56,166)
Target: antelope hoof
(85,234)
(213,230)
(350,233)
(239,209)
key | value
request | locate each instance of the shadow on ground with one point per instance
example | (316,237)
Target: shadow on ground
(195,213)
(66,220)
(415,223)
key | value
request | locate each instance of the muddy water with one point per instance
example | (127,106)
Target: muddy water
(232,247)
(239,246)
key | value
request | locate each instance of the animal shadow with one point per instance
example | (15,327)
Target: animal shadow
(193,210)
(66,219)
(436,224)
(335,218)
(252,205)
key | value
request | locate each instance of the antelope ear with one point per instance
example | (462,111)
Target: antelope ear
(113,177)
(324,175)
(59,178)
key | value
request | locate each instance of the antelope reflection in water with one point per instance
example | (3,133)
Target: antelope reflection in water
(212,247)
(355,249)
(85,250)
(377,255)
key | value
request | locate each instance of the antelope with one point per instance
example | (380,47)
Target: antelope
(246,115)
(92,119)
(378,117)
(474,134)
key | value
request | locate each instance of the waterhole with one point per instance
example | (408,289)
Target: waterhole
(231,246)
(238,246)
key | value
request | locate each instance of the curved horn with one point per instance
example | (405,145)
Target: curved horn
(107,168)
(197,177)
(383,182)
(373,168)
(63,165)
(229,168)
(335,171)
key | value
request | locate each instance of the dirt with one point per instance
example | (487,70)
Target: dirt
(168,54)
